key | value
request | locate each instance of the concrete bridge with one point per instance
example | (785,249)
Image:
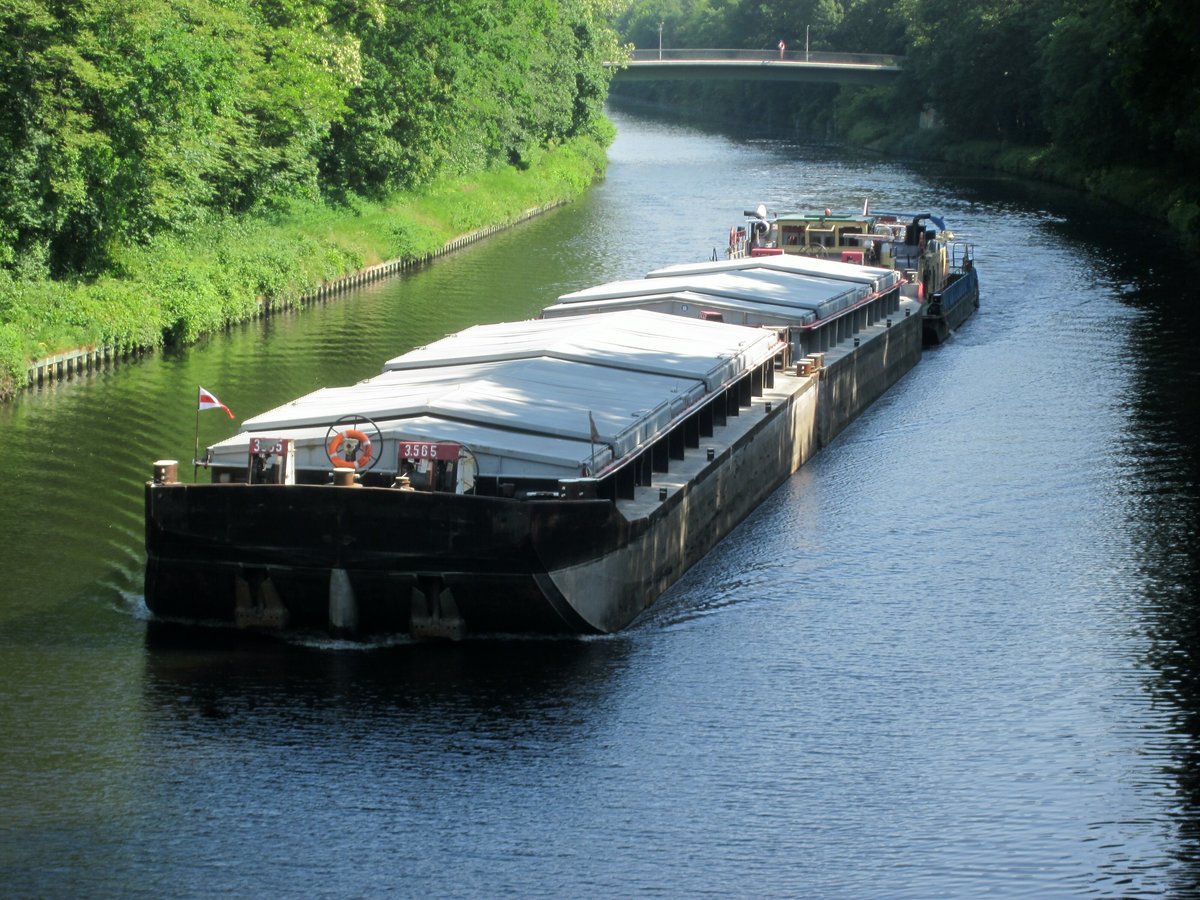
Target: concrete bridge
(759,65)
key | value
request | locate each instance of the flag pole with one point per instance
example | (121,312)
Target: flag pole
(196,448)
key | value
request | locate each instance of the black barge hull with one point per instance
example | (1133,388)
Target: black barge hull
(272,556)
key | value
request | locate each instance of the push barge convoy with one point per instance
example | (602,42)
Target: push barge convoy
(554,475)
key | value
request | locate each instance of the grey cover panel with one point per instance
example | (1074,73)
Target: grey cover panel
(878,279)
(523,396)
(820,296)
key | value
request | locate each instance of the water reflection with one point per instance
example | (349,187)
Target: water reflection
(504,687)
(514,701)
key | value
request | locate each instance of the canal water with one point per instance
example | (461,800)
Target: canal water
(956,654)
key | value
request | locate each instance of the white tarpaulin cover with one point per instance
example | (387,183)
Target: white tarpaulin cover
(804,293)
(522,396)
(878,279)
(692,304)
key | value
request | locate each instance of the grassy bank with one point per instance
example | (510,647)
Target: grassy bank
(177,288)
(1147,192)
(1150,192)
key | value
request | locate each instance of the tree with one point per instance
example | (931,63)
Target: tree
(121,120)
(980,63)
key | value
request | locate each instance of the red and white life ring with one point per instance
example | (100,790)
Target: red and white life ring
(364,450)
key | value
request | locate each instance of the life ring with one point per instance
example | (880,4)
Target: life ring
(732,236)
(364,449)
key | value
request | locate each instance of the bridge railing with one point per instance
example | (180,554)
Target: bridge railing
(793,56)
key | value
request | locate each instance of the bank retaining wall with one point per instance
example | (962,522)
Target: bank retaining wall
(71,363)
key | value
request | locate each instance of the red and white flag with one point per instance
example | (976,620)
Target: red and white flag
(208,400)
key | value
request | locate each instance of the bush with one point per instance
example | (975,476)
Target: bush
(411,240)
(13,362)
(119,314)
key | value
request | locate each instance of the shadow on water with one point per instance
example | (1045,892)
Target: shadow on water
(1158,480)
(219,679)
(1160,455)
(1172,625)
(1161,492)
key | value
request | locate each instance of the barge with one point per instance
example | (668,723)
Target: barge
(547,476)
(939,268)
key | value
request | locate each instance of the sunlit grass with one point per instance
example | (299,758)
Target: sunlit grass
(179,287)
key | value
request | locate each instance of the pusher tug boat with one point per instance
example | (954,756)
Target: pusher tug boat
(939,268)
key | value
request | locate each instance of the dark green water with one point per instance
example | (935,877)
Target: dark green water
(956,654)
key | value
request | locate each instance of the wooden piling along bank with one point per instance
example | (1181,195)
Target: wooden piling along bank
(69,363)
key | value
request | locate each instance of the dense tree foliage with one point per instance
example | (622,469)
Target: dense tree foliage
(1112,81)
(120,120)
(449,85)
